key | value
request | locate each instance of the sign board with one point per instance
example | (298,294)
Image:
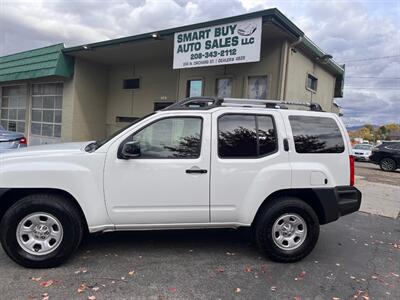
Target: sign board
(233,43)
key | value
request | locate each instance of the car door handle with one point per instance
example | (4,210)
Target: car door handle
(196,171)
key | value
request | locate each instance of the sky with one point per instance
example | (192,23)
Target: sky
(365,35)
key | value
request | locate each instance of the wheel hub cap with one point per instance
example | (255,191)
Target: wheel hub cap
(39,233)
(289,231)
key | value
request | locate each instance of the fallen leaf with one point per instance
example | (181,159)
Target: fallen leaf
(220,270)
(302,274)
(238,290)
(81,288)
(248,269)
(45,298)
(95,289)
(335,298)
(36,279)
(47,283)
(131,273)
(172,290)
(92,298)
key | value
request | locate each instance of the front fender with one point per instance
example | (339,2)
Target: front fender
(79,175)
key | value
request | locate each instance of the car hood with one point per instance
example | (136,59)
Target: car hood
(9,136)
(59,149)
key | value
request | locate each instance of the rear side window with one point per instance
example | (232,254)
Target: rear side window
(246,136)
(316,135)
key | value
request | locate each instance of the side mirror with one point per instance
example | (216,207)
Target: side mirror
(131,150)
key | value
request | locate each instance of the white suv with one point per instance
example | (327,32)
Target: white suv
(200,163)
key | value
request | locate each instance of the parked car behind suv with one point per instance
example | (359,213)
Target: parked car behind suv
(387,156)
(10,140)
(362,152)
(200,163)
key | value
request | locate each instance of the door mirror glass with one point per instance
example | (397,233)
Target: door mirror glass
(131,150)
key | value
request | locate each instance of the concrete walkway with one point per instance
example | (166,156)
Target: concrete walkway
(379,198)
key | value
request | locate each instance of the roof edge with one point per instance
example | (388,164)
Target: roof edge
(40,48)
(272,14)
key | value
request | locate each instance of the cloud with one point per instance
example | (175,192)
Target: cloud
(349,30)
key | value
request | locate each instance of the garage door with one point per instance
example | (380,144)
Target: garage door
(46,113)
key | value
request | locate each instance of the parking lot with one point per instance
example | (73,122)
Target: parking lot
(357,257)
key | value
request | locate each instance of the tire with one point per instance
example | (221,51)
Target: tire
(388,165)
(280,212)
(47,245)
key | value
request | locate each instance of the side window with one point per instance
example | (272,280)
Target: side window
(266,135)
(170,138)
(246,136)
(316,135)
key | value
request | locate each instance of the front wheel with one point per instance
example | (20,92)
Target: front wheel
(41,230)
(287,230)
(387,164)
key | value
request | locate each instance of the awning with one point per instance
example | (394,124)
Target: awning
(37,63)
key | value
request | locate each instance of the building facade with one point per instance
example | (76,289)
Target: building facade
(57,94)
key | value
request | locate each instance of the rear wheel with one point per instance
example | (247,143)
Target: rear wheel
(287,230)
(41,230)
(388,165)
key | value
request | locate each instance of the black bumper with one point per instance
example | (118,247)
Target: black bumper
(337,202)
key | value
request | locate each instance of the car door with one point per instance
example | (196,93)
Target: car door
(249,163)
(169,182)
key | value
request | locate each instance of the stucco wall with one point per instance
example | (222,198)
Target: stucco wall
(158,83)
(268,65)
(89,92)
(298,68)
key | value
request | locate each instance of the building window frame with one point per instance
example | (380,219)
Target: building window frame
(187,88)
(308,87)
(246,88)
(231,78)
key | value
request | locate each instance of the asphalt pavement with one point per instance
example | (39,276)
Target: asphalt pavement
(357,257)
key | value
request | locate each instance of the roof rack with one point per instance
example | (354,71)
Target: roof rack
(205,103)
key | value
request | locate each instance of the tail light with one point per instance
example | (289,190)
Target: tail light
(351,157)
(23,141)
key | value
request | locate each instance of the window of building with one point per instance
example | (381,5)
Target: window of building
(170,138)
(224,87)
(161,105)
(312,83)
(13,107)
(246,136)
(46,110)
(131,84)
(194,88)
(316,135)
(258,87)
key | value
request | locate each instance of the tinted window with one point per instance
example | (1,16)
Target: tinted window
(170,138)
(266,135)
(316,135)
(245,136)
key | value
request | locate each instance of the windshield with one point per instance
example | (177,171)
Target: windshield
(363,147)
(96,145)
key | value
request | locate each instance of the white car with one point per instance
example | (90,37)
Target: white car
(200,163)
(362,151)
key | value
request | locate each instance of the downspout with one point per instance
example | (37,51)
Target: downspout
(292,45)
